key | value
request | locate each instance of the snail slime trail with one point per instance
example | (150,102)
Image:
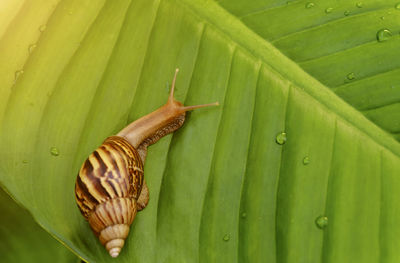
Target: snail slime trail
(110,187)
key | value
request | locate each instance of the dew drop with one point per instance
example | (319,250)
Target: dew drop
(397,6)
(306,160)
(31,48)
(244,215)
(329,10)
(54,151)
(227,237)
(321,222)
(359,4)
(347,13)
(18,74)
(42,28)
(382,17)
(383,35)
(310,5)
(25,161)
(351,76)
(281,138)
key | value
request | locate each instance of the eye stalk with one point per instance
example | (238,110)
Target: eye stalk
(171,98)
(160,122)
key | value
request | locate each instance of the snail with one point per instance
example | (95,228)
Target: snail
(110,188)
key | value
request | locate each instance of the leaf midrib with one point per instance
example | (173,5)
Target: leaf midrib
(230,26)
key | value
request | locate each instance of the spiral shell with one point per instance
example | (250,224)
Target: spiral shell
(106,190)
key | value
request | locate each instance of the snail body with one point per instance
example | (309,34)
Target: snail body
(110,187)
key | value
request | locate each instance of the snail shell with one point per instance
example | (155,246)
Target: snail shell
(107,188)
(110,188)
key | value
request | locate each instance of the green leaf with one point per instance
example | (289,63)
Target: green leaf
(22,240)
(337,43)
(221,188)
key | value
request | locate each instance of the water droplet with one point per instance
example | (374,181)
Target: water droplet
(281,138)
(244,215)
(31,48)
(351,76)
(359,4)
(42,28)
(383,35)
(321,222)
(397,6)
(18,74)
(54,151)
(70,12)
(329,10)
(310,5)
(382,17)
(227,237)
(25,161)
(306,160)
(347,13)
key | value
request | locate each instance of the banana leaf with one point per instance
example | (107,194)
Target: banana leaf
(22,240)
(348,46)
(284,170)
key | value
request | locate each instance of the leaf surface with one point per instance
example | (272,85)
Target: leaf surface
(338,43)
(221,188)
(22,240)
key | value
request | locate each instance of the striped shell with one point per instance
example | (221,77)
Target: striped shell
(107,188)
